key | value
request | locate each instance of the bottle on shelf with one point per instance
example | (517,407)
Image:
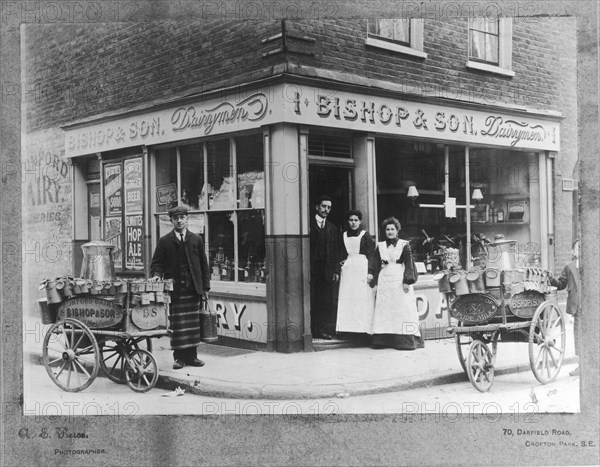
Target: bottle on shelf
(216,270)
(263,272)
(257,272)
(225,270)
(492,212)
(500,215)
(247,271)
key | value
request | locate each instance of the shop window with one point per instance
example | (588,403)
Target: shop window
(490,45)
(222,183)
(398,35)
(221,241)
(191,159)
(251,182)
(509,186)
(220,191)
(508,198)
(402,164)
(166,179)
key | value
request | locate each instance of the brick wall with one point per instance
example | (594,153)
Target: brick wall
(82,70)
(537,52)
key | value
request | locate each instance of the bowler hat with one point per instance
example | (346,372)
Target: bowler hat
(178,210)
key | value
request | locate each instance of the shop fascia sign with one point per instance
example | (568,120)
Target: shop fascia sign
(312,106)
(208,117)
(421,120)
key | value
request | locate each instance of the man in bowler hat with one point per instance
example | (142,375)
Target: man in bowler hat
(180,256)
(324,270)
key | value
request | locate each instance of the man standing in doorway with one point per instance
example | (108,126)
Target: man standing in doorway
(324,270)
(180,256)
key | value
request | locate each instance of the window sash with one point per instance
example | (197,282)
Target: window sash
(230,194)
(484,40)
(393,30)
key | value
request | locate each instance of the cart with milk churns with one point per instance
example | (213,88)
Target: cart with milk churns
(503,304)
(101,322)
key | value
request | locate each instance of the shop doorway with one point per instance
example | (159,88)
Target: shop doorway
(336,182)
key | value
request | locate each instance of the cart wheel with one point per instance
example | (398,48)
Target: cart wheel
(113,355)
(71,355)
(480,366)
(141,371)
(547,342)
(462,341)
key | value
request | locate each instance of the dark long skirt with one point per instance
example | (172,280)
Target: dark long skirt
(397,341)
(185,322)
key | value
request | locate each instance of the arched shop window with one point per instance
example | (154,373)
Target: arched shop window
(222,183)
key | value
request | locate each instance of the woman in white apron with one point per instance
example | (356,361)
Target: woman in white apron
(356,298)
(396,320)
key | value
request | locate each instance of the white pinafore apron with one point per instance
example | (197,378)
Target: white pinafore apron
(395,310)
(356,299)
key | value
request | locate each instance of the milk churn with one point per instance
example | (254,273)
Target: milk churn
(97,261)
(443,278)
(459,281)
(476,280)
(502,254)
(492,277)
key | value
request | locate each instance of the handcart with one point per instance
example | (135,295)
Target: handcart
(492,305)
(100,321)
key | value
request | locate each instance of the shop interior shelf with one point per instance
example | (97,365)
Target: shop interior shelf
(498,224)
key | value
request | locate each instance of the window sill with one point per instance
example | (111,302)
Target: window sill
(250,289)
(395,47)
(490,68)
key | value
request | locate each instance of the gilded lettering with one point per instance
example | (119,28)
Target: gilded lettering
(350,112)
(323,109)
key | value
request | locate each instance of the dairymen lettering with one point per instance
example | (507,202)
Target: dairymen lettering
(189,118)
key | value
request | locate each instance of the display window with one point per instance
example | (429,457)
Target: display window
(222,183)
(414,180)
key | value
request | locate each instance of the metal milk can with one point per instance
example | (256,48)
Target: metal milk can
(97,261)
(502,254)
(476,280)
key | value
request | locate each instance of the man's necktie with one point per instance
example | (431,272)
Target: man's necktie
(181,237)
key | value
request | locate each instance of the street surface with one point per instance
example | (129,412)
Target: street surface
(513,393)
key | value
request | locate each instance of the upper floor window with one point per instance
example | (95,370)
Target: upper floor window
(484,37)
(490,45)
(398,35)
(396,30)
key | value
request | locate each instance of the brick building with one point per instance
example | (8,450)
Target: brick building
(248,122)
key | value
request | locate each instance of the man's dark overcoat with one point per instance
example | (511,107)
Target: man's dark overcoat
(166,262)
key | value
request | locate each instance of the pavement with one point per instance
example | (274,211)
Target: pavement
(336,372)
(339,370)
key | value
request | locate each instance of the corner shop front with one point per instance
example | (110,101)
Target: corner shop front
(251,162)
